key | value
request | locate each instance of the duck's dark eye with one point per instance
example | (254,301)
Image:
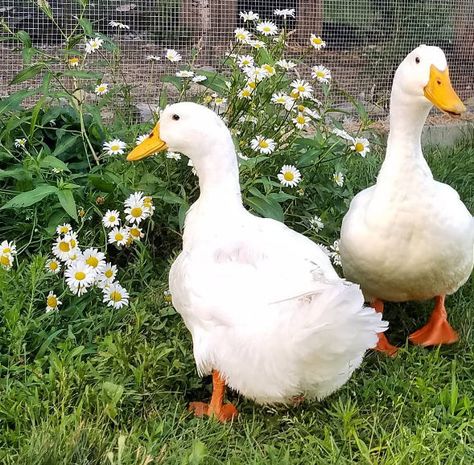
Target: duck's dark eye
(175,117)
(417,59)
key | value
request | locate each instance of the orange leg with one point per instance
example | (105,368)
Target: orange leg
(383,345)
(437,331)
(216,408)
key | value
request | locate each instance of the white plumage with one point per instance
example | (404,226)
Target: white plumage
(263,304)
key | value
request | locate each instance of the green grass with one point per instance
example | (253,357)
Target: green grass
(95,386)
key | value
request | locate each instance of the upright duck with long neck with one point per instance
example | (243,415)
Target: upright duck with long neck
(410,237)
(268,314)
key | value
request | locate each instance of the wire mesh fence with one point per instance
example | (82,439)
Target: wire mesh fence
(366,38)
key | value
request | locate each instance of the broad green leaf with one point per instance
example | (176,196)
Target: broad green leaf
(35,113)
(18,173)
(28,73)
(169,197)
(66,199)
(65,144)
(86,26)
(52,162)
(26,199)
(14,100)
(268,208)
(24,38)
(214,81)
(27,54)
(100,183)
(176,81)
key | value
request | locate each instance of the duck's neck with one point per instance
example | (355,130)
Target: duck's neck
(404,157)
(218,174)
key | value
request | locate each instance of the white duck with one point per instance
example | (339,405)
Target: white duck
(409,237)
(267,313)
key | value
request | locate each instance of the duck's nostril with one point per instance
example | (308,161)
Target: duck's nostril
(438,81)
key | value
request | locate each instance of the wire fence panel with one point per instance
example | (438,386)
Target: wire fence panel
(366,39)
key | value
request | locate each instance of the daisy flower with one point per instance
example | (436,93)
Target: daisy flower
(94,44)
(184,74)
(218,101)
(285,13)
(246,92)
(94,258)
(136,233)
(136,212)
(53,266)
(249,16)
(72,257)
(133,198)
(269,69)
(101,89)
(79,277)
(317,42)
(286,64)
(199,78)
(255,74)
(111,218)
(302,88)
(334,253)
(316,223)
(153,58)
(65,228)
(6,260)
(118,24)
(141,138)
(267,28)
(20,143)
(289,176)
(114,147)
(64,246)
(115,296)
(279,98)
(173,55)
(119,236)
(242,35)
(361,146)
(338,179)
(52,302)
(107,276)
(321,73)
(263,145)
(7,248)
(73,62)
(301,121)
(312,113)
(245,60)
(342,134)
(256,44)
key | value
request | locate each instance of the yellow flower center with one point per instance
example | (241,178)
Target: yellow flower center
(301,88)
(119,237)
(115,296)
(359,147)
(4,260)
(53,266)
(112,218)
(289,176)
(136,212)
(301,108)
(80,275)
(73,61)
(64,247)
(300,119)
(7,250)
(263,144)
(92,261)
(64,230)
(114,148)
(135,232)
(252,84)
(109,274)
(318,40)
(321,74)
(73,243)
(269,68)
(52,301)
(267,28)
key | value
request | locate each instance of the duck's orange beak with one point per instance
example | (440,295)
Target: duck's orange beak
(149,146)
(440,92)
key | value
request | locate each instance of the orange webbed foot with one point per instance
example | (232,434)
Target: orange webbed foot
(437,331)
(227,412)
(383,345)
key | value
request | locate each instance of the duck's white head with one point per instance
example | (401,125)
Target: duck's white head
(188,128)
(423,76)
